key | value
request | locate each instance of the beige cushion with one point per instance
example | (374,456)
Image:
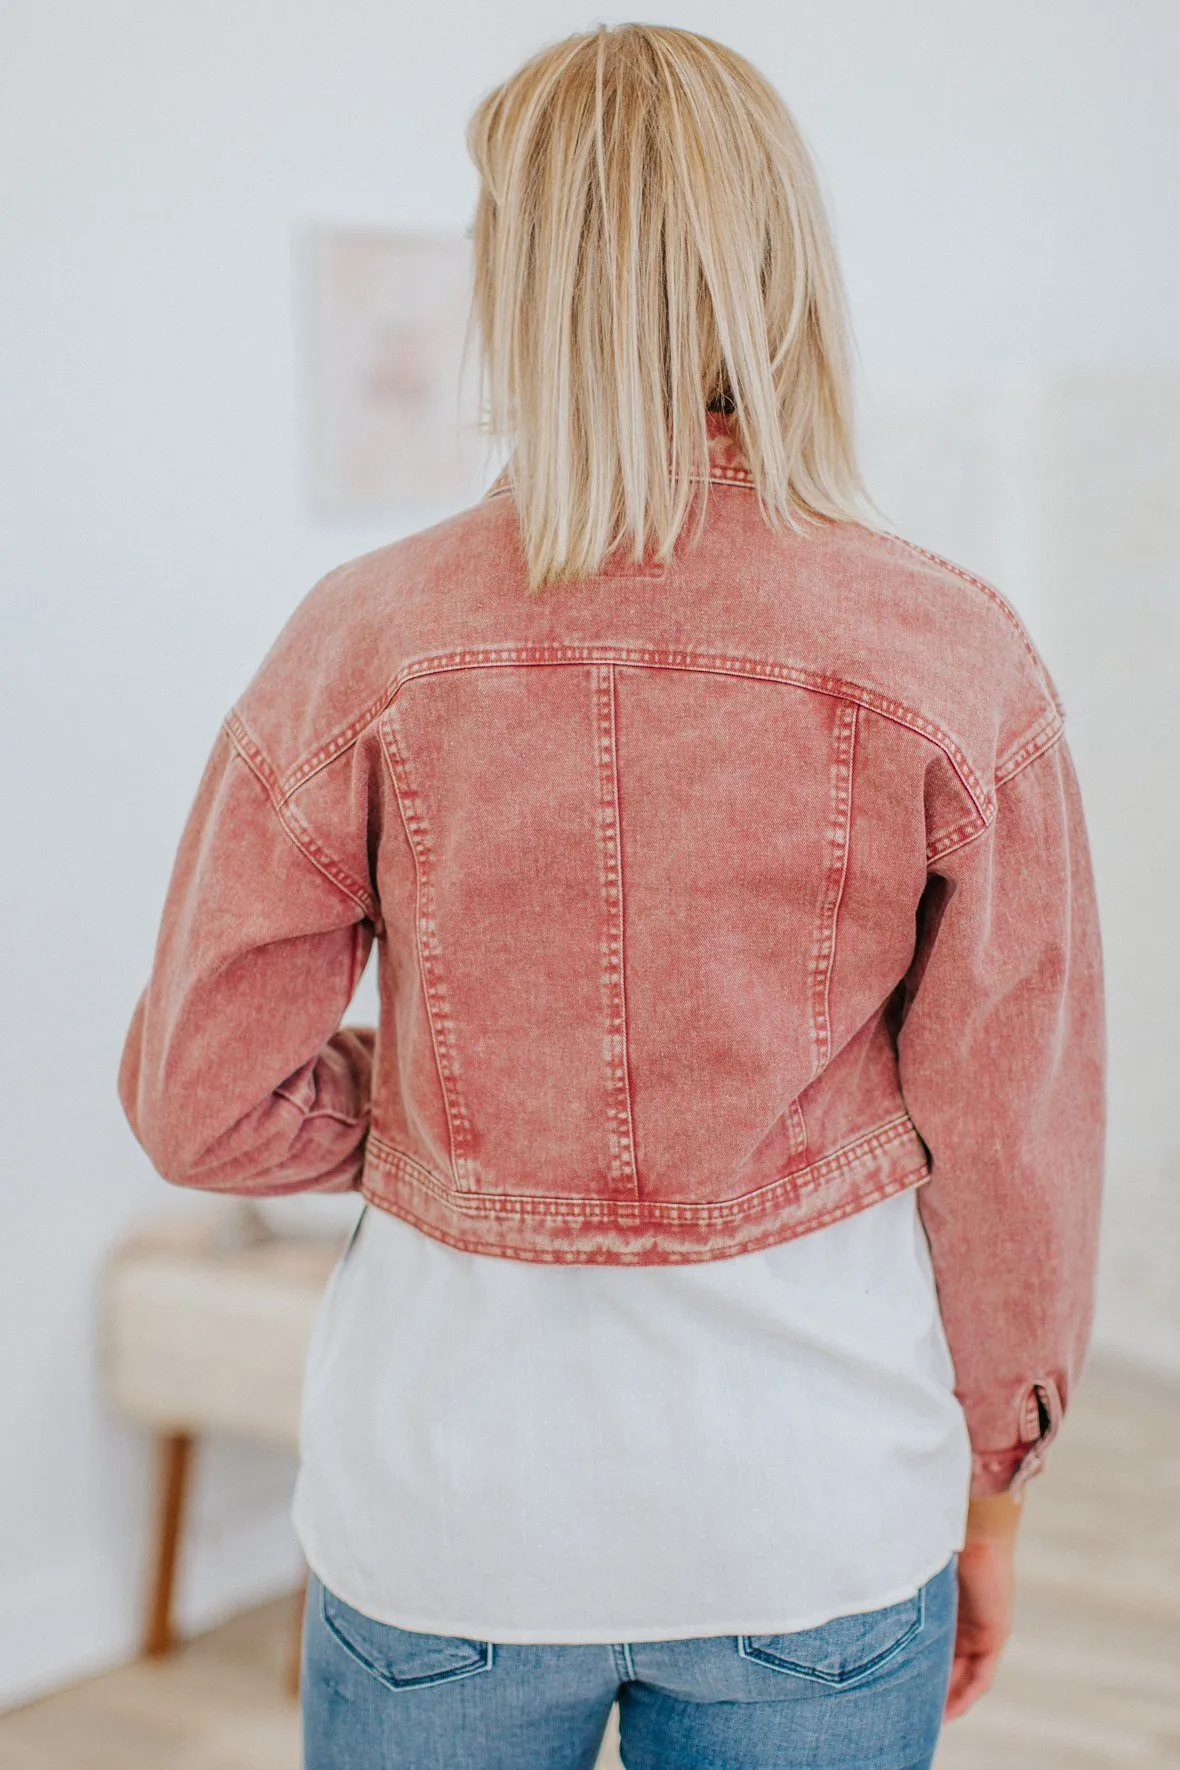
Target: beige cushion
(205,1330)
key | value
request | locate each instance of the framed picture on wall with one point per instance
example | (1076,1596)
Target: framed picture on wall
(392,421)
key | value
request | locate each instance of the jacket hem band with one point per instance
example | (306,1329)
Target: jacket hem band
(579,1231)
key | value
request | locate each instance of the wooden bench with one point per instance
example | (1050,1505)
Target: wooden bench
(205,1329)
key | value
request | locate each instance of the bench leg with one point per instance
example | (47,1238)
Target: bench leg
(174,1463)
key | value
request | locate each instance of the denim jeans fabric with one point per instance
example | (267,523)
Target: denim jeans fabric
(862,1692)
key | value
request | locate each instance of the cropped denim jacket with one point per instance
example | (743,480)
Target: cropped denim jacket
(713,901)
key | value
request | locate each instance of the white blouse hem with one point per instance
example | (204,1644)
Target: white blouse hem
(484,1630)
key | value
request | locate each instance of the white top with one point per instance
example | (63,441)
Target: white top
(516,1451)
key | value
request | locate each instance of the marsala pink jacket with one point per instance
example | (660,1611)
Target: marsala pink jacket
(713,903)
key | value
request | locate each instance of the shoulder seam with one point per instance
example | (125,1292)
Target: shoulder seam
(993,596)
(313,850)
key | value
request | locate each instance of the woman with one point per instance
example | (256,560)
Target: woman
(733,1127)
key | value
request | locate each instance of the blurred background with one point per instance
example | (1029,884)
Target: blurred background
(1003,182)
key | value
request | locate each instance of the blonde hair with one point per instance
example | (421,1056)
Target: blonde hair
(649,241)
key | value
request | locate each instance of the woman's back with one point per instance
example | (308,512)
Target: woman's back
(689,886)
(661,840)
(734,911)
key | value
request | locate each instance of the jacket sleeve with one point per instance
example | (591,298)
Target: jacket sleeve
(1002,1058)
(235,1074)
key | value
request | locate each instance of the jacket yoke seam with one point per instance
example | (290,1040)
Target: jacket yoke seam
(719,663)
(282,789)
(648,657)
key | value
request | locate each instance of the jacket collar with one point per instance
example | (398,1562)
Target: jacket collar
(727,463)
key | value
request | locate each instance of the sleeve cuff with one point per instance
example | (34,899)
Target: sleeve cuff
(1004,1471)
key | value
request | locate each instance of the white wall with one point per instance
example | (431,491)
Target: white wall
(1064,487)
(1003,182)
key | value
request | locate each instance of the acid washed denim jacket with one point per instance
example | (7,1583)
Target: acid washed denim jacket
(713,902)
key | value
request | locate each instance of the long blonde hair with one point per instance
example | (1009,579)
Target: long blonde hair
(649,242)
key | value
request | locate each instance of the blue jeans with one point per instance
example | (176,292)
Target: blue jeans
(863,1692)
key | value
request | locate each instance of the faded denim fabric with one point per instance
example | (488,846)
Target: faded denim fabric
(860,1691)
(713,902)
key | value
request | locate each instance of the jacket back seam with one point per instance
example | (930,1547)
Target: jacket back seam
(612,985)
(429,952)
(838,835)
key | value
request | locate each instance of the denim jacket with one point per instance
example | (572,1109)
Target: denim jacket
(713,901)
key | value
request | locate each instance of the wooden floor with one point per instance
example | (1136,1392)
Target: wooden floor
(1091,1680)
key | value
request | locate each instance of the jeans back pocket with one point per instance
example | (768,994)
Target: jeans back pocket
(844,1650)
(402,1659)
